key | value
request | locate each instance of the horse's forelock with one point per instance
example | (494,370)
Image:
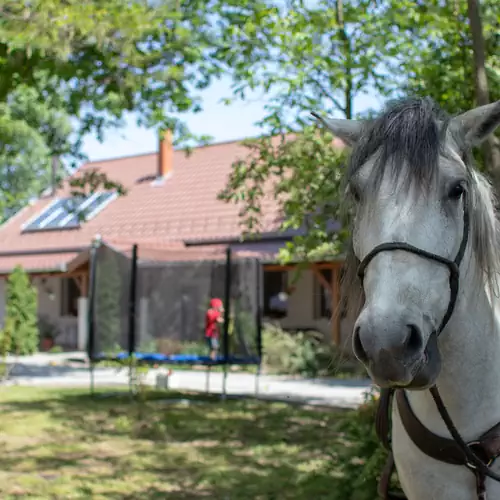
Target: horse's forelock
(405,141)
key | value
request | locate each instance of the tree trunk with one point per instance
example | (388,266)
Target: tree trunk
(344,37)
(491,147)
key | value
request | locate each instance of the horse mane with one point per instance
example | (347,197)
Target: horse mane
(408,138)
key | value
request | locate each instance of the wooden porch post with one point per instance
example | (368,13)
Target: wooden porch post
(324,282)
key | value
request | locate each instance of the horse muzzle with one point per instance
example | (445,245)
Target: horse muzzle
(395,350)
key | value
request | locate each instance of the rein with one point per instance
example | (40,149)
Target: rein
(477,456)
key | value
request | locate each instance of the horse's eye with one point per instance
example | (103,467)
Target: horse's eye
(456,191)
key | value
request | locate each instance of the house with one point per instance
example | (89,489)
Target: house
(171,202)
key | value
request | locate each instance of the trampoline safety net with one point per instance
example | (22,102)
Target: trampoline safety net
(170,300)
(110,301)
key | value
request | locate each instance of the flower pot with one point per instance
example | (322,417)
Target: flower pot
(47,344)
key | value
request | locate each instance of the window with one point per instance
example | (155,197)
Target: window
(275,283)
(69,297)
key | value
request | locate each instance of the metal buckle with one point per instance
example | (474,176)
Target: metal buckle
(478,450)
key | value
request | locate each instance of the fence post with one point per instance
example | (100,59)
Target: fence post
(258,320)
(132,303)
(91,308)
(227,314)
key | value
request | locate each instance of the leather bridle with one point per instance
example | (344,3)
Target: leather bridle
(453,265)
(479,455)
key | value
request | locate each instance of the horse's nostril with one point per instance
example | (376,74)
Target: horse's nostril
(358,348)
(414,341)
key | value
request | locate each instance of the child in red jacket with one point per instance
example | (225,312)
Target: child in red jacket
(213,319)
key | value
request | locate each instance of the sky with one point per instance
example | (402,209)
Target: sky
(223,123)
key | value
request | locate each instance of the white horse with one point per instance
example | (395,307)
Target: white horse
(422,217)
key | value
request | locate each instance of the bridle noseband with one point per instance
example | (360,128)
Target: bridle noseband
(478,455)
(453,265)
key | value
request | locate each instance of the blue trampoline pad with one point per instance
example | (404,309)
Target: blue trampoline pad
(179,358)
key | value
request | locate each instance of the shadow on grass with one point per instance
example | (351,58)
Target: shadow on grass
(181,446)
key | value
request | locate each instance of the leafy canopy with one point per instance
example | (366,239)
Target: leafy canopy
(71,68)
(325,56)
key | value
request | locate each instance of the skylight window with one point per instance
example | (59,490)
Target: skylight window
(69,213)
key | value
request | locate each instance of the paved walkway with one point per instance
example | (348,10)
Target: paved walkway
(53,370)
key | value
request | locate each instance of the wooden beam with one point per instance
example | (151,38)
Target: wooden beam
(321,278)
(84,291)
(78,281)
(330,265)
(55,274)
(290,267)
(279,267)
(335,296)
(81,282)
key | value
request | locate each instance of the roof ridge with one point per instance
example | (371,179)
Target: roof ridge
(154,153)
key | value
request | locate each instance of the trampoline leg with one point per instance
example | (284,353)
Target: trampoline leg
(92,382)
(257,380)
(130,379)
(224,382)
(207,384)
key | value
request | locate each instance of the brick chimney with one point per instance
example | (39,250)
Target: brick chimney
(165,154)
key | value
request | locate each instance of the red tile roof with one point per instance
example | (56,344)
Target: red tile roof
(183,207)
(37,263)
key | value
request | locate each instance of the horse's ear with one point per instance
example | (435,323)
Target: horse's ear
(347,130)
(478,123)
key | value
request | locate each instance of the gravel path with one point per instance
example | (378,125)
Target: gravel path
(54,370)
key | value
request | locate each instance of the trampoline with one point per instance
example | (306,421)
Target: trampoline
(147,305)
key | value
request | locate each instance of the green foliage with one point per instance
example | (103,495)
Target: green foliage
(303,173)
(288,354)
(435,50)
(20,335)
(359,456)
(305,354)
(436,58)
(323,56)
(72,68)
(319,56)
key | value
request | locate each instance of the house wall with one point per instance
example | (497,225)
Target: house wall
(49,306)
(302,306)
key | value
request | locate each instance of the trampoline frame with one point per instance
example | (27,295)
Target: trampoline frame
(135,358)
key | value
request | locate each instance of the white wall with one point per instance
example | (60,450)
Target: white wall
(301,310)
(47,305)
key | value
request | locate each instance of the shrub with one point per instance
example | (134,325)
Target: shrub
(194,348)
(304,353)
(359,455)
(173,346)
(20,334)
(284,353)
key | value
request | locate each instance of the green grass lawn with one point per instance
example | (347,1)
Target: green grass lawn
(64,444)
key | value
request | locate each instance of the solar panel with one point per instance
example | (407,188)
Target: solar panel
(38,220)
(68,213)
